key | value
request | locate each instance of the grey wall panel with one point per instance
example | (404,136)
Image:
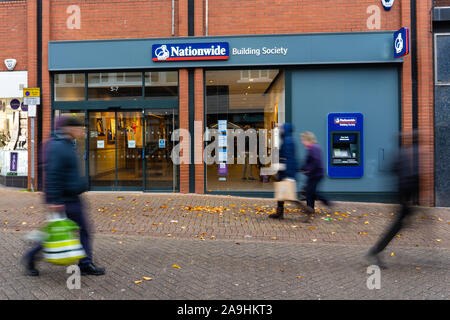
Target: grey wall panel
(442,145)
(372,91)
(443,58)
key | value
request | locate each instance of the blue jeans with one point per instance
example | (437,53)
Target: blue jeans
(74,211)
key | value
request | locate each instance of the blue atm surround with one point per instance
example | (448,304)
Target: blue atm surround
(345,145)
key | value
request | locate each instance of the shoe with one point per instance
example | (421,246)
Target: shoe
(30,269)
(251,179)
(276,216)
(91,269)
(374,259)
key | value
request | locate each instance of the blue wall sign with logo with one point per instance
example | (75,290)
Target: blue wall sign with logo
(345,145)
(401,42)
(190,51)
(15,104)
(162,143)
(387,4)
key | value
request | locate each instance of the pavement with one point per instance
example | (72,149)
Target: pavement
(205,247)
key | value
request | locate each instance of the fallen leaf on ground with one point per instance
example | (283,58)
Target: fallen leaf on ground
(299,277)
(366,222)
(147,278)
(113,230)
(438,240)
(362,233)
(333,233)
(312,228)
(392,254)
(176,266)
(418,268)
(314,240)
(138,281)
(273,238)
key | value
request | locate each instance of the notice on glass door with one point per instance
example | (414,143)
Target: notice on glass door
(131,144)
(100,144)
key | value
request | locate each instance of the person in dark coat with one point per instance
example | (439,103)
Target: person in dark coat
(408,180)
(314,170)
(288,161)
(62,187)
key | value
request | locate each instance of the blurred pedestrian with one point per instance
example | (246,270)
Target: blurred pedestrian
(62,187)
(313,169)
(288,163)
(407,179)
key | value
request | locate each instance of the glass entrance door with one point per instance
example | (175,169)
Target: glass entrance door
(115,149)
(160,172)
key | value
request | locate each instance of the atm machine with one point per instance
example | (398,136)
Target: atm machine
(345,145)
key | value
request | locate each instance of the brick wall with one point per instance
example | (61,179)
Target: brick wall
(442,3)
(13,34)
(293,16)
(426,101)
(112,19)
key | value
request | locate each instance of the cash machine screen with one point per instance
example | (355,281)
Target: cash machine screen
(345,149)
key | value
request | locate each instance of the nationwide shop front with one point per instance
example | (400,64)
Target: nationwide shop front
(127,92)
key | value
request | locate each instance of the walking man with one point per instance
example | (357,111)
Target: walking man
(288,163)
(62,186)
(407,179)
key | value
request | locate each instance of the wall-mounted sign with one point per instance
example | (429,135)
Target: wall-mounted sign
(131,144)
(401,42)
(387,4)
(32,111)
(31,96)
(190,51)
(100,144)
(162,143)
(31,92)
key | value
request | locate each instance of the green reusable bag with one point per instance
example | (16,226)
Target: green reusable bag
(61,245)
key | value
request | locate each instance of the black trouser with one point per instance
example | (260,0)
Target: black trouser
(280,207)
(311,192)
(397,225)
(74,211)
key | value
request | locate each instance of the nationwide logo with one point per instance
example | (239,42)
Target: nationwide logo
(387,4)
(190,51)
(401,42)
(338,120)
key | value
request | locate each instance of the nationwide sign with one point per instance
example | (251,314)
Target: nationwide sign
(345,122)
(190,51)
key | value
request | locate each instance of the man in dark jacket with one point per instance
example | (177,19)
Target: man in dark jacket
(288,161)
(407,179)
(62,186)
(313,169)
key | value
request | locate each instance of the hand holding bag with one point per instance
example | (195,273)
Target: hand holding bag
(61,246)
(286,190)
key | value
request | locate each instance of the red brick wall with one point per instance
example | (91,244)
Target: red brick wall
(426,101)
(442,3)
(112,19)
(293,16)
(13,34)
